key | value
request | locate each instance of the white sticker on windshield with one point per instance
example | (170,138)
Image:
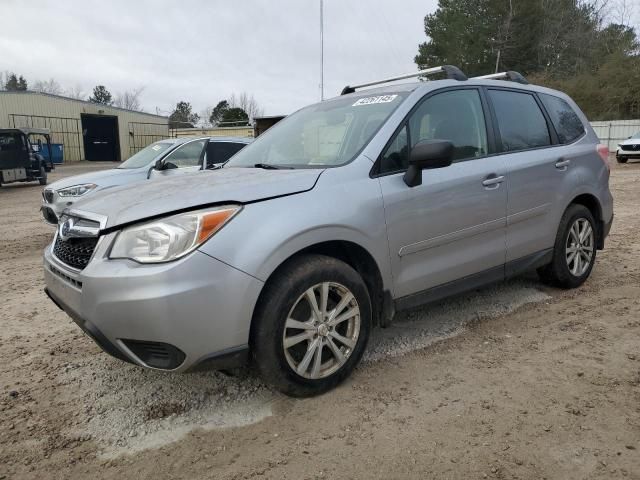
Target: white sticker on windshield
(372,100)
(156,148)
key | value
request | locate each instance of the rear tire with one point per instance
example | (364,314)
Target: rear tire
(622,159)
(302,350)
(574,252)
(43,175)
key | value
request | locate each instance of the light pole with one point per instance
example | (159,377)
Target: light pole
(321,50)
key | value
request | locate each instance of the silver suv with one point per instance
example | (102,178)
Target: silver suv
(342,214)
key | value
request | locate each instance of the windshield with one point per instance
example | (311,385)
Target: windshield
(326,134)
(146,155)
(637,135)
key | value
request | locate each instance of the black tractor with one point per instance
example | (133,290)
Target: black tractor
(20,157)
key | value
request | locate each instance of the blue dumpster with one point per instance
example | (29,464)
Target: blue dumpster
(57,152)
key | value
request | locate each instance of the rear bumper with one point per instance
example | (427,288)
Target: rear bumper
(607,227)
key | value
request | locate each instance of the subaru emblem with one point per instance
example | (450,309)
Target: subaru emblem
(65,228)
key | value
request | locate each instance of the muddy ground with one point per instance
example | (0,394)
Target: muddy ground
(512,381)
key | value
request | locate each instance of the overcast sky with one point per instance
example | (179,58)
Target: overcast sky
(203,51)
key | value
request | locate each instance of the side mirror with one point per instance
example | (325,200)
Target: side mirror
(426,155)
(159,165)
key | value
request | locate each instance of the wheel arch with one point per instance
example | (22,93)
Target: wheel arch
(357,257)
(592,203)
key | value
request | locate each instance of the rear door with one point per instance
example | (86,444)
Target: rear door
(219,151)
(453,225)
(535,168)
(184,159)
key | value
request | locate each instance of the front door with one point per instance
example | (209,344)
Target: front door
(184,159)
(453,225)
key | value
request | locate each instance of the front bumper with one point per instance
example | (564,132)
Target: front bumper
(53,205)
(197,305)
(627,153)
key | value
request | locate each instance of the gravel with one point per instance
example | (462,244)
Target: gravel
(127,409)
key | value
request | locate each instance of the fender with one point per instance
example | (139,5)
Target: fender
(293,223)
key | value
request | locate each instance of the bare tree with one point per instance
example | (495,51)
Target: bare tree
(248,103)
(205,115)
(76,93)
(4,76)
(129,99)
(47,86)
(623,12)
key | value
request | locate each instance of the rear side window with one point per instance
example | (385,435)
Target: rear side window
(220,152)
(565,120)
(520,121)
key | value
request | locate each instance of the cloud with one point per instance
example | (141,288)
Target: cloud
(202,51)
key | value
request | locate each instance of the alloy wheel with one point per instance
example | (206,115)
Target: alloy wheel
(321,330)
(580,247)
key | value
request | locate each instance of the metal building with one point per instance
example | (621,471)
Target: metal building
(88,131)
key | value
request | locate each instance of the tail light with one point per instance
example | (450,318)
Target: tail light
(603,151)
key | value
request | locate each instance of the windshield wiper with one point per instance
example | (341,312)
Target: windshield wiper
(268,166)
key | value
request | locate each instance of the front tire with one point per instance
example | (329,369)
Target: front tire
(622,159)
(311,325)
(574,252)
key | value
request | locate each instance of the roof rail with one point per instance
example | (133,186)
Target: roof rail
(451,72)
(509,75)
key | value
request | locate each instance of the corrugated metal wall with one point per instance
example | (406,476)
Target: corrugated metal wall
(62,116)
(613,132)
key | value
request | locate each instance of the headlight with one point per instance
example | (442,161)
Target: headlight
(76,190)
(172,237)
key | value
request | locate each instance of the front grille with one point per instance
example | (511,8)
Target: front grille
(631,148)
(48,195)
(75,252)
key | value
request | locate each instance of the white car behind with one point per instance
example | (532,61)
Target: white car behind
(160,159)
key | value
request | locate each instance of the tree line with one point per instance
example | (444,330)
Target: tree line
(129,99)
(237,110)
(571,45)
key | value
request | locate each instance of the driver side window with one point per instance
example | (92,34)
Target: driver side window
(456,116)
(187,155)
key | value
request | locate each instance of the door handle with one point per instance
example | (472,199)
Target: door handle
(493,181)
(562,163)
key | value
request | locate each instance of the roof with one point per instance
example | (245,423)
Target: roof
(28,130)
(269,117)
(214,138)
(435,84)
(69,99)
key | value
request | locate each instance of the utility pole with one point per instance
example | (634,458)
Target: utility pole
(321,50)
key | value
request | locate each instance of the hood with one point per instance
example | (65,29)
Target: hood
(127,204)
(102,178)
(630,141)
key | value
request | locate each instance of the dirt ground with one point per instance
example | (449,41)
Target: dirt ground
(512,381)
